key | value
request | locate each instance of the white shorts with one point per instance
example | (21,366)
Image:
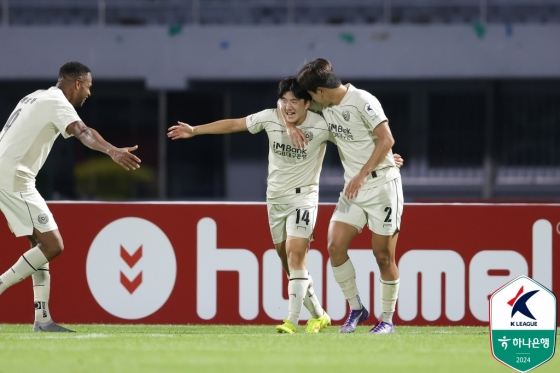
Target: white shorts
(293,219)
(25,211)
(380,207)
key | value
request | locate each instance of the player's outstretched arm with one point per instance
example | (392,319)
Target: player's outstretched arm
(297,137)
(185,131)
(93,140)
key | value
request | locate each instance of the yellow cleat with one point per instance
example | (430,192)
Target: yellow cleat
(315,325)
(287,327)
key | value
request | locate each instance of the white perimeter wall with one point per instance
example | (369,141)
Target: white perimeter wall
(168,61)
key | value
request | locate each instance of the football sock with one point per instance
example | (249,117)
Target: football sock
(41,293)
(297,287)
(389,295)
(26,265)
(311,302)
(345,275)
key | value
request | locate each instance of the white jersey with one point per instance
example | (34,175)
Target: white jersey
(29,134)
(352,123)
(289,168)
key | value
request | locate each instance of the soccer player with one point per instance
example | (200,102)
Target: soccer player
(372,193)
(25,142)
(292,191)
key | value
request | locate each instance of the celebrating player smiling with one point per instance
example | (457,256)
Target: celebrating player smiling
(25,143)
(292,192)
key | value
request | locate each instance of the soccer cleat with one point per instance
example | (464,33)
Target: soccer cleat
(382,327)
(287,327)
(50,327)
(354,318)
(315,325)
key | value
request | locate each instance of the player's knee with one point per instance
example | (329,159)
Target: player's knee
(53,249)
(56,250)
(295,259)
(384,259)
(335,249)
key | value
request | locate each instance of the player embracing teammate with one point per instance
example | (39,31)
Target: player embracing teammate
(292,190)
(372,192)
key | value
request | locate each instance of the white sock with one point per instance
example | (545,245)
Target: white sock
(26,265)
(389,296)
(41,293)
(297,287)
(311,302)
(345,275)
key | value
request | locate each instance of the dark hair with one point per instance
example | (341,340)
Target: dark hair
(73,70)
(290,84)
(317,73)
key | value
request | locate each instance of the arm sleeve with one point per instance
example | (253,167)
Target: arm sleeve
(64,114)
(258,121)
(371,111)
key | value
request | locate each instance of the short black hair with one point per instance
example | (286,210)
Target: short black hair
(318,73)
(291,84)
(73,70)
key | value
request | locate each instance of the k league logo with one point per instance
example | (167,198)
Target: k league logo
(131,268)
(523,324)
(519,304)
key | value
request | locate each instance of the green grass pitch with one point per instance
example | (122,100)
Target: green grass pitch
(248,349)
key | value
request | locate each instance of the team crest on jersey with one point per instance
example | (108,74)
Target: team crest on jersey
(308,135)
(369,109)
(43,218)
(346,115)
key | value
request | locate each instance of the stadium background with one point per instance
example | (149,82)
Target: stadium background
(471,88)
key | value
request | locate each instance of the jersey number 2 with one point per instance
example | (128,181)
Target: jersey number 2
(388,210)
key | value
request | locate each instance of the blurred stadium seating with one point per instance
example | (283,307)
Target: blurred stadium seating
(256,12)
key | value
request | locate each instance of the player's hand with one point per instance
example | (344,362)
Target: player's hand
(297,137)
(124,157)
(354,185)
(180,131)
(399,161)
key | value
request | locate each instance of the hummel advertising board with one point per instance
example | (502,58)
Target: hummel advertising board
(201,263)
